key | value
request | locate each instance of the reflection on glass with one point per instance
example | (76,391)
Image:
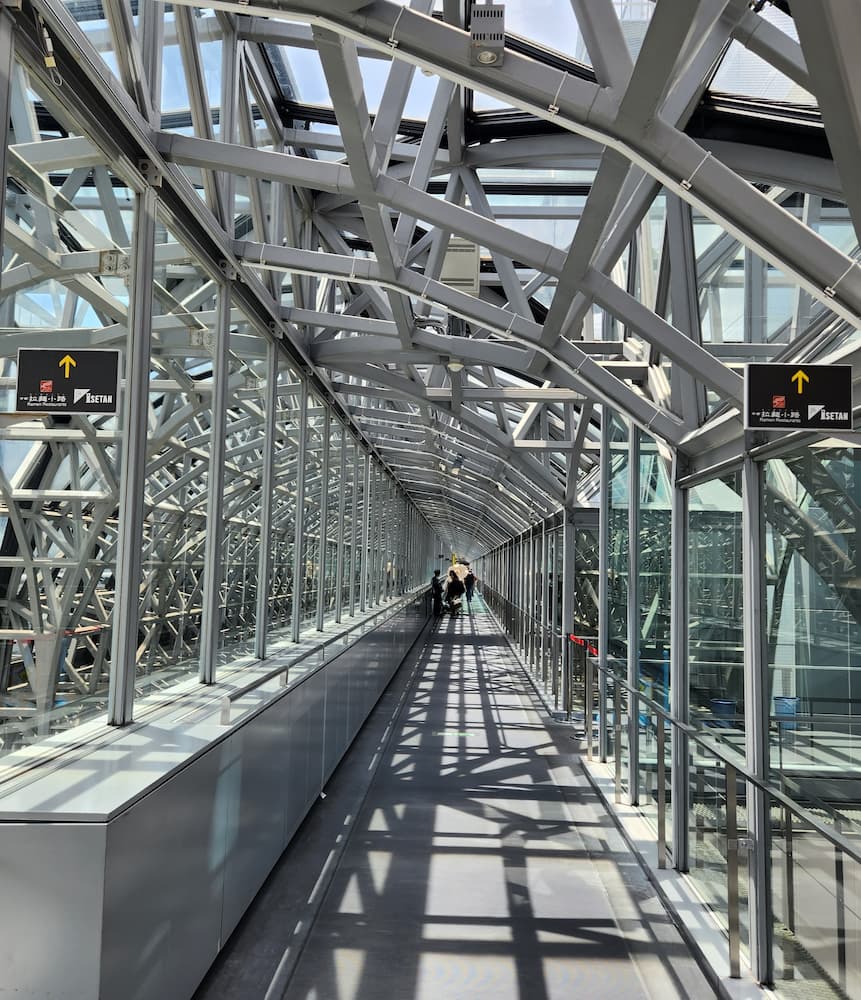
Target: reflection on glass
(816,902)
(59,541)
(812,502)
(178,454)
(316,442)
(284,501)
(333,523)
(708,827)
(242,500)
(655,589)
(715,646)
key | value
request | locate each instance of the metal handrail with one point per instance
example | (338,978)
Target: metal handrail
(726,757)
(283,669)
(522,611)
(734,767)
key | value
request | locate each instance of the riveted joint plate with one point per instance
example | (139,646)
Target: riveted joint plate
(114,262)
(150,173)
(228,270)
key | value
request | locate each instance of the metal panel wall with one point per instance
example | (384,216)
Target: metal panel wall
(137,908)
(164,881)
(185,861)
(53,879)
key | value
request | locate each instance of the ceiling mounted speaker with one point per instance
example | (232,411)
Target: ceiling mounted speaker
(487,32)
(460,266)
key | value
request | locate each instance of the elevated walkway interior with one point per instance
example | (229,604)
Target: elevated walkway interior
(460,853)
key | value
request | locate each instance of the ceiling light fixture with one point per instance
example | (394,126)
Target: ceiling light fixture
(454,365)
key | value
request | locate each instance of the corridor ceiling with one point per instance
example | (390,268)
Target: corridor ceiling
(479,263)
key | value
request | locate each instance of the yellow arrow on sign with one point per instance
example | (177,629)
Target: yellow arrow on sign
(67,362)
(799,378)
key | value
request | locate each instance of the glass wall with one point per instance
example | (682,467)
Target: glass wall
(332,486)
(287,416)
(655,597)
(715,650)
(813,622)
(58,471)
(179,446)
(59,483)
(243,497)
(311,561)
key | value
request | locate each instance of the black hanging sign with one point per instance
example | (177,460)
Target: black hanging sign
(798,397)
(67,381)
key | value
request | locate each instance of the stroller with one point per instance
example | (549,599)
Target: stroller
(455,605)
(454,595)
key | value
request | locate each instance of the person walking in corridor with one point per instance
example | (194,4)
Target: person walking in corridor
(436,593)
(469,586)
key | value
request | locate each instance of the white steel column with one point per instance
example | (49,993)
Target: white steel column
(542,598)
(603,581)
(299,517)
(355,533)
(210,628)
(366,534)
(267,498)
(373,529)
(679,668)
(152,40)
(323,533)
(756,719)
(342,508)
(633,609)
(124,638)
(7,67)
(568,571)
(380,508)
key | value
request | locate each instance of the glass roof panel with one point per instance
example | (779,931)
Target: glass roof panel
(742,72)
(550,23)
(307,72)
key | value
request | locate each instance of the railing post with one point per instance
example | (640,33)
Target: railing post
(732,846)
(589,706)
(840,901)
(617,736)
(789,876)
(661,776)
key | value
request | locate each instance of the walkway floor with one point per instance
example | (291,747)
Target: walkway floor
(476,864)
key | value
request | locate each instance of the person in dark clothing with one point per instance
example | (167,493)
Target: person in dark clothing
(436,593)
(469,586)
(454,591)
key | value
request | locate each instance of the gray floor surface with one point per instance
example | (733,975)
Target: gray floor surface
(460,854)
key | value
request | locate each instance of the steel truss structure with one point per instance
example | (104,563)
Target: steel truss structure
(392,320)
